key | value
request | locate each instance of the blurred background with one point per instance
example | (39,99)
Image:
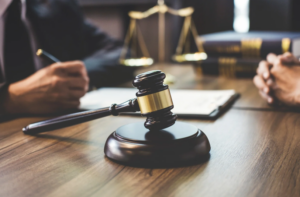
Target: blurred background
(210,16)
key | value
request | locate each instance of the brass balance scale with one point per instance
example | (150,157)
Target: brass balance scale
(182,50)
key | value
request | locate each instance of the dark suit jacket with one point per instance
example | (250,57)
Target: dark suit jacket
(61,30)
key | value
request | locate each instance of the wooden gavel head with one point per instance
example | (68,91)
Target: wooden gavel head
(154,100)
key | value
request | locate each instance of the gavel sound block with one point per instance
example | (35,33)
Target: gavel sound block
(159,142)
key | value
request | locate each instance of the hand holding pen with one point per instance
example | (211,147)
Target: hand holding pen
(54,88)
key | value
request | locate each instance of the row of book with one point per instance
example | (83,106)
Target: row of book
(238,54)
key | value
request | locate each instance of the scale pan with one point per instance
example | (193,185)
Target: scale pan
(137,62)
(190,57)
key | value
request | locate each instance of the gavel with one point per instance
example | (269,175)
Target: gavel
(153,100)
(159,142)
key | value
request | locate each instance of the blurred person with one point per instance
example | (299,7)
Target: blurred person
(89,57)
(278,79)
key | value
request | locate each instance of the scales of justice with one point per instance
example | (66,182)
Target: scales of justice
(160,141)
(134,36)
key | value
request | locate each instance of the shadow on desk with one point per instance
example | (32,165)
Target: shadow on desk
(6,118)
(199,161)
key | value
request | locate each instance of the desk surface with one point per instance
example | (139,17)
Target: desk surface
(254,153)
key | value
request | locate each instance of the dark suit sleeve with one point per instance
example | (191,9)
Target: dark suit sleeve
(78,40)
(103,62)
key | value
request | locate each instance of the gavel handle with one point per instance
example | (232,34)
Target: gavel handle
(80,117)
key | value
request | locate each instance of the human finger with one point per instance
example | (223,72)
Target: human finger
(277,62)
(271,57)
(278,69)
(276,72)
(78,83)
(71,68)
(288,58)
(270,82)
(75,94)
(267,97)
(69,104)
(67,95)
(260,84)
(264,69)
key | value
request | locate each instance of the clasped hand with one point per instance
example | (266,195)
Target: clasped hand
(278,79)
(51,89)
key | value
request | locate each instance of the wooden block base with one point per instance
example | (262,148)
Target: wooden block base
(180,144)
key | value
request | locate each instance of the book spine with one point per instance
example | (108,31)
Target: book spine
(246,48)
(228,67)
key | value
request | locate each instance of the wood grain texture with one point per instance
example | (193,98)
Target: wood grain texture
(253,154)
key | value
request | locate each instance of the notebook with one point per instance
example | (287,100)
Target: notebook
(187,103)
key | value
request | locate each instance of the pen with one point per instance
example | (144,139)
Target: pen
(47,56)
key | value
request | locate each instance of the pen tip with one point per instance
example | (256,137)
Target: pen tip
(39,52)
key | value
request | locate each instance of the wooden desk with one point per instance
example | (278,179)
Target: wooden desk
(254,153)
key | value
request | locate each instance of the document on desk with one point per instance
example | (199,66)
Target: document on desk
(187,103)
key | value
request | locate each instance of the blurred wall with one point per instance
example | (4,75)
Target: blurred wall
(278,15)
(212,15)
(109,20)
(112,17)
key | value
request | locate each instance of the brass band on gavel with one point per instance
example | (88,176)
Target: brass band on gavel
(155,101)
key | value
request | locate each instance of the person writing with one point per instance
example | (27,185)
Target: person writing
(278,79)
(29,85)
